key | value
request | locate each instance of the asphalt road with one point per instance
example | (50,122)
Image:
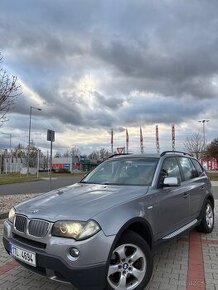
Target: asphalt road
(38,186)
(215,191)
(43,186)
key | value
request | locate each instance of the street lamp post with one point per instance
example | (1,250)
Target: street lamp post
(204,134)
(28,153)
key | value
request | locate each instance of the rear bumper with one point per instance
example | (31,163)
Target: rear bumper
(92,277)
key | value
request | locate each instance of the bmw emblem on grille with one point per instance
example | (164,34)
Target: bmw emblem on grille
(35,211)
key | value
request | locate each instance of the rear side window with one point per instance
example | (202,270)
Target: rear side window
(188,169)
(198,167)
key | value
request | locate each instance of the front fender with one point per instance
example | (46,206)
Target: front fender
(115,220)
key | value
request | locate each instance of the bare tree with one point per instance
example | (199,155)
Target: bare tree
(195,145)
(94,155)
(9,90)
(104,154)
(100,155)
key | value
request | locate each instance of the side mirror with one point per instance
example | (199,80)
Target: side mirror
(171,181)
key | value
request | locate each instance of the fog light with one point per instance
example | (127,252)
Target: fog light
(74,252)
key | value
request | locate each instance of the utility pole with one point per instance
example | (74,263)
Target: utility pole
(28,153)
(51,138)
(204,134)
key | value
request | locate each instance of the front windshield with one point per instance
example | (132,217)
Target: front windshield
(123,171)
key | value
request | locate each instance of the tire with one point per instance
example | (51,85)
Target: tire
(207,222)
(131,264)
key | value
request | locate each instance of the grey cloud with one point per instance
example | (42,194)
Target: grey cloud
(99,118)
(167,49)
(109,102)
(119,129)
(173,70)
(160,110)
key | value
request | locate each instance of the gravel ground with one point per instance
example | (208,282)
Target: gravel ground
(7,201)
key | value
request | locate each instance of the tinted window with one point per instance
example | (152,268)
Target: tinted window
(198,167)
(188,168)
(170,168)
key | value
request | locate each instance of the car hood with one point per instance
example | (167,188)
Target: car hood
(79,201)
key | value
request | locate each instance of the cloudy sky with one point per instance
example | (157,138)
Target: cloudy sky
(95,65)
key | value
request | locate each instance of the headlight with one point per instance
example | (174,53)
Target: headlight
(11,215)
(77,230)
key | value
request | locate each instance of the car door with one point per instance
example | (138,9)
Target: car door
(194,185)
(173,201)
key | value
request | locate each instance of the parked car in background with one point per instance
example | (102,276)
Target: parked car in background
(100,233)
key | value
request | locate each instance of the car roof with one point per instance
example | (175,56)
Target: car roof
(151,155)
(127,156)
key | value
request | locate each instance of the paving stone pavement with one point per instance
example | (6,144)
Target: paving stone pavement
(191,263)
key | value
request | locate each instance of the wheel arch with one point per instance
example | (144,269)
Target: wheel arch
(211,199)
(205,226)
(207,197)
(139,226)
(143,231)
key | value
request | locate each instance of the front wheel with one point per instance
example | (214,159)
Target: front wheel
(207,222)
(131,264)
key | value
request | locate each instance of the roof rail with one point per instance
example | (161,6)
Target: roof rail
(170,151)
(118,154)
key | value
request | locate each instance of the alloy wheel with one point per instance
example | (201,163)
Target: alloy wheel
(127,267)
(209,216)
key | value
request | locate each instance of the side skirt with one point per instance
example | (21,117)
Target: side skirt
(181,230)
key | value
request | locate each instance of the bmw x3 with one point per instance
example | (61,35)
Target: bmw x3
(100,233)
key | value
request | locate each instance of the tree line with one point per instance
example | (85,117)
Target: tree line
(9,90)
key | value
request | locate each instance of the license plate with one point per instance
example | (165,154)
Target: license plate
(23,255)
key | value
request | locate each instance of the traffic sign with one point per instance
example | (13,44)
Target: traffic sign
(50,135)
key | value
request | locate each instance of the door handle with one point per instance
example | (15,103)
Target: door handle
(185,195)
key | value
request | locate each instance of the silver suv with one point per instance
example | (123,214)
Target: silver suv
(100,233)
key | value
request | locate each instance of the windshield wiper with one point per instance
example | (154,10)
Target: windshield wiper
(88,182)
(111,183)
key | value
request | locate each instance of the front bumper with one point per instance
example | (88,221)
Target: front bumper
(89,271)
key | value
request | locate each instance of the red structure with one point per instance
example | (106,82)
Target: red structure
(210,163)
(157,140)
(173,137)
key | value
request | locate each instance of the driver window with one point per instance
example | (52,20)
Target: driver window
(170,168)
